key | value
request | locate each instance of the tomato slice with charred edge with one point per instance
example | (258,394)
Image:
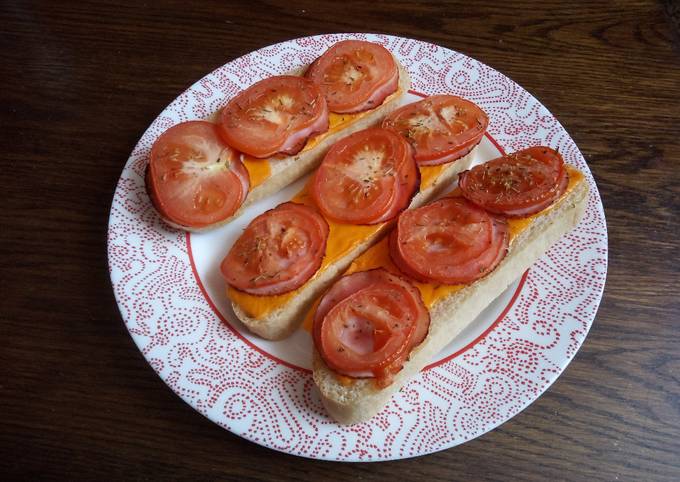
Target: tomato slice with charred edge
(278,251)
(441,128)
(193,178)
(274,115)
(518,184)
(355,75)
(368,323)
(366,178)
(450,241)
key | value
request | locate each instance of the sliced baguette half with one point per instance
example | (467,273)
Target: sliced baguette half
(355,402)
(282,321)
(286,170)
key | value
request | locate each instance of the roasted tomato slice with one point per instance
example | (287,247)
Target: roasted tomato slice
(366,178)
(193,178)
(517,184)
(355,75)
(367,324)
(274,115)
(278,251)
(450,241)
(441,128)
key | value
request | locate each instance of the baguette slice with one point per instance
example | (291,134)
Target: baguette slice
(361,399)
(286,170)
(282,321)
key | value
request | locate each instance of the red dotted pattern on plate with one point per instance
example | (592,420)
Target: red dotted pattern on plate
(276,406)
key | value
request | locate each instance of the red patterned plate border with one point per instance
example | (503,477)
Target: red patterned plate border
(272,404)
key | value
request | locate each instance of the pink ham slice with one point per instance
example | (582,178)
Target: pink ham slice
(278,251)
(355,76)
(480,259)
(366,340)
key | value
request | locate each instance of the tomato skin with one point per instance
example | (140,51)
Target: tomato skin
(441,128)
(398,260)
(278,251)
(274,116)
(409,183)
(366,178)
(459,153)
(355,75)
(450,241)
(517,184)
(337,354)
(375,349)
(193,178)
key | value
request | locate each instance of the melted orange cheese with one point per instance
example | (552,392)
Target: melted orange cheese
(259,170)
(429,174)
(342,238)
(378,256)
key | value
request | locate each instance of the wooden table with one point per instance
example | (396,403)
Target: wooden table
(82,81)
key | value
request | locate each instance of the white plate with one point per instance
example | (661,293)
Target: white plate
(170,294)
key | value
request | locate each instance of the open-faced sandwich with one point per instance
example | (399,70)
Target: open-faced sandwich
(202,173)
(406,298)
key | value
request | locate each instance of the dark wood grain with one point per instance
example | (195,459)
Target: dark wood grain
(81,81)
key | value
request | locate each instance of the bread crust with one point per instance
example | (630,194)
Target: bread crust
(289,169)
(360,400)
